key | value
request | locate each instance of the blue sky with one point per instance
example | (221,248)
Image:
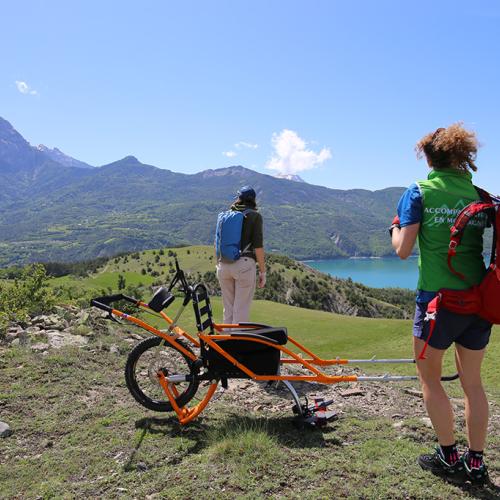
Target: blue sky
(178,84)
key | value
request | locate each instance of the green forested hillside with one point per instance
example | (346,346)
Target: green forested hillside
(128,206)
(53,212)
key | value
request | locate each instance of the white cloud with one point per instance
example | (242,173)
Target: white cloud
(243,144)
(239,146)
(291,154)
(24,88)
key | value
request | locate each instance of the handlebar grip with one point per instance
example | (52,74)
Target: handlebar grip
(105,301)
(99,305)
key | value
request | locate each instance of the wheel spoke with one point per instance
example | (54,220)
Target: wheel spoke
(145,362)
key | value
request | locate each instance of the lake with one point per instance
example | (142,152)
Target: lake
(379,273)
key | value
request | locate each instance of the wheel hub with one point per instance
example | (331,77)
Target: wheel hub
(153,370)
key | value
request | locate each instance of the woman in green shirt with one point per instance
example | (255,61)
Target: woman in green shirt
(427,210)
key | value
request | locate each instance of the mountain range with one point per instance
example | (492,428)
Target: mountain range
(56,208)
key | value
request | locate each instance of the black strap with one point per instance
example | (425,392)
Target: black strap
(491,214)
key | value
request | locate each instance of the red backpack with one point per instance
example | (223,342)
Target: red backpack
(482,299)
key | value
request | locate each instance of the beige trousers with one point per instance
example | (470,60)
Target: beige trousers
(237,283)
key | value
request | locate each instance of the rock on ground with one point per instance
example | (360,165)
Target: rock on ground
(40,347)
(59,339)
(5,430)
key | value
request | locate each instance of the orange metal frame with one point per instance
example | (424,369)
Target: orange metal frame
(185,414)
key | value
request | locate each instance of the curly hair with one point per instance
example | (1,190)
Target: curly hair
(451,147)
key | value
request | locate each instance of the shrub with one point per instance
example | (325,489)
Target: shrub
(26,296)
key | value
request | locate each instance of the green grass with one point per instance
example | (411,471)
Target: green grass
(110,279)
(82,436)
(78,433)
(333,335)
(192,259)
(102,280)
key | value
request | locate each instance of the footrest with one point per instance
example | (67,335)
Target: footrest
(315,415)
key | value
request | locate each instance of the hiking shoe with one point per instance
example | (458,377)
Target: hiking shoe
(477,476)
(436,464)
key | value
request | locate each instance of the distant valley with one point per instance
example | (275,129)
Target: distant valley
(56,208)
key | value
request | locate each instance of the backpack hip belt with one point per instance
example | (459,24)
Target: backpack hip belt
(482,299)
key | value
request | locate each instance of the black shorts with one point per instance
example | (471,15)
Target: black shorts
(468,330)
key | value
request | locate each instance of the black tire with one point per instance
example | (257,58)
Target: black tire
(142,365)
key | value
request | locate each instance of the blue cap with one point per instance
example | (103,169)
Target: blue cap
(246,193)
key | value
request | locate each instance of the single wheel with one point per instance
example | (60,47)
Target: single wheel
(143,364)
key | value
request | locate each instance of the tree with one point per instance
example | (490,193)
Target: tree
(121,282)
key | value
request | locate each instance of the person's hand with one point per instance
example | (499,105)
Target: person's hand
(395,223)
(262,279)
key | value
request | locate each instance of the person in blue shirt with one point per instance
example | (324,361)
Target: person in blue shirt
(427,210)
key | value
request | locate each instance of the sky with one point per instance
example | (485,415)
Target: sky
(337,92)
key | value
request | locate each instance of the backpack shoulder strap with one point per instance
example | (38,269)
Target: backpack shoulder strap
(458,228)
(471,210)
(466,214)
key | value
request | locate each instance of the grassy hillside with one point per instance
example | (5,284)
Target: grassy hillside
(288,281)
(78,433)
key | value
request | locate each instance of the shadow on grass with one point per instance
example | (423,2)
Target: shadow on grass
(204,433)
(488,492)
(129,465)
(168,427)
(284,430)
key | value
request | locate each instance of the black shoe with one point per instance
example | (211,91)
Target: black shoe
(477,476)
(436,464)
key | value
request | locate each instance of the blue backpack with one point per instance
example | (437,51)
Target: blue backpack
(228,234)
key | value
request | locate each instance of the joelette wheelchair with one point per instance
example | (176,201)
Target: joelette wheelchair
(172,368)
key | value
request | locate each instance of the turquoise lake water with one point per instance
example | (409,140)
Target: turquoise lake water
(379,273)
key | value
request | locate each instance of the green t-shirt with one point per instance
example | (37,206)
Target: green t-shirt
(444,194)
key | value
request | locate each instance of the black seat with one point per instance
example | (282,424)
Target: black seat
(259,358)
(277,335)
(161,299)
